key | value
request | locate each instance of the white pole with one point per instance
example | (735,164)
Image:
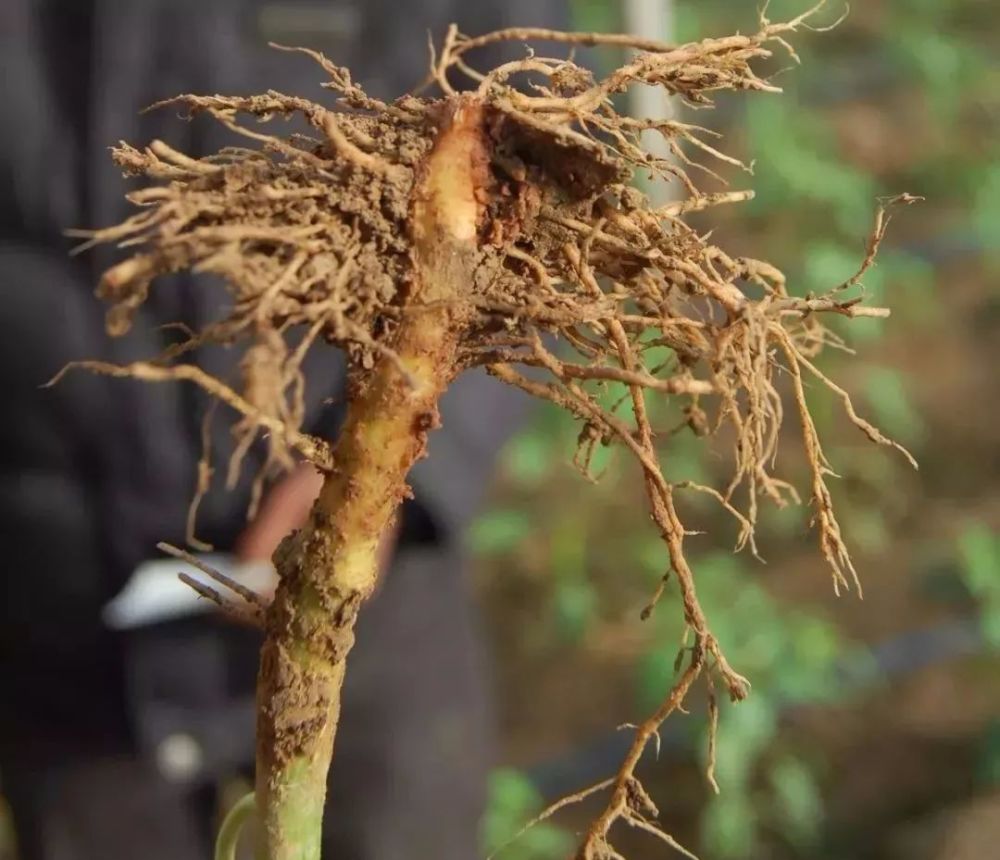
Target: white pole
(652,19)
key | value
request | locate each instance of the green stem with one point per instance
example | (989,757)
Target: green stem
(330,567)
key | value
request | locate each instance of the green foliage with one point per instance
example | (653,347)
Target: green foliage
(796,164)
(513,802)
(729,825)
(885,392)
(595,16)
(979,552)
(746,734)
(867,527)
(826,264)
(529,457)
(499,531)
(812,211)
(986,207)
(790,655)
(787,651)
(988,760)
(929,46)
(574,596)
(797,805)
(979,557)
(910,291)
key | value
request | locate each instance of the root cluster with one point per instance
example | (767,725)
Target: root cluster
(580,281)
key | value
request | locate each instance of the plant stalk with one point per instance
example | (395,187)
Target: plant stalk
(330,566)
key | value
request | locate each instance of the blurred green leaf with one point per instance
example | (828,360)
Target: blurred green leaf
(979,550)
(885,391)
(575,604)
(830,264)
(528,457)
(795,163)
(745,731)
(651,555)
(614,394)
(557,424)
(602,458)
(657,356)
(979,547)
(513,801)
(748,726)
(811,654)
(512,791)
(911,290)
(934,55)
(729,827)
(986,206)
(988,760)
(990,623)
(595,16)
(816,642)
(687,462)
(574,597)
(689,23)
(798,805)
(867,528)
(944,61)
(655,673)
(787,522)
(567,550)
(499,530)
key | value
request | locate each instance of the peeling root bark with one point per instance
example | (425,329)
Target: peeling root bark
(330,567)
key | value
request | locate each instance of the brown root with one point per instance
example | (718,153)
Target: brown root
(575,275)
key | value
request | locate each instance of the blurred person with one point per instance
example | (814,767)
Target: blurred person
(113,745)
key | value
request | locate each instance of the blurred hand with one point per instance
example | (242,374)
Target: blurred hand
(283,510)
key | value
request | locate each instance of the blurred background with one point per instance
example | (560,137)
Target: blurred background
(873,727)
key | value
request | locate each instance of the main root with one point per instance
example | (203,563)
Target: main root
(578,281)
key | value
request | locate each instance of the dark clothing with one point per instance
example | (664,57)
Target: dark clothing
(95,471)
(413,747)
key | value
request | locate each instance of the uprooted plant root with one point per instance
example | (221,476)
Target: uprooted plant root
(578,277)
